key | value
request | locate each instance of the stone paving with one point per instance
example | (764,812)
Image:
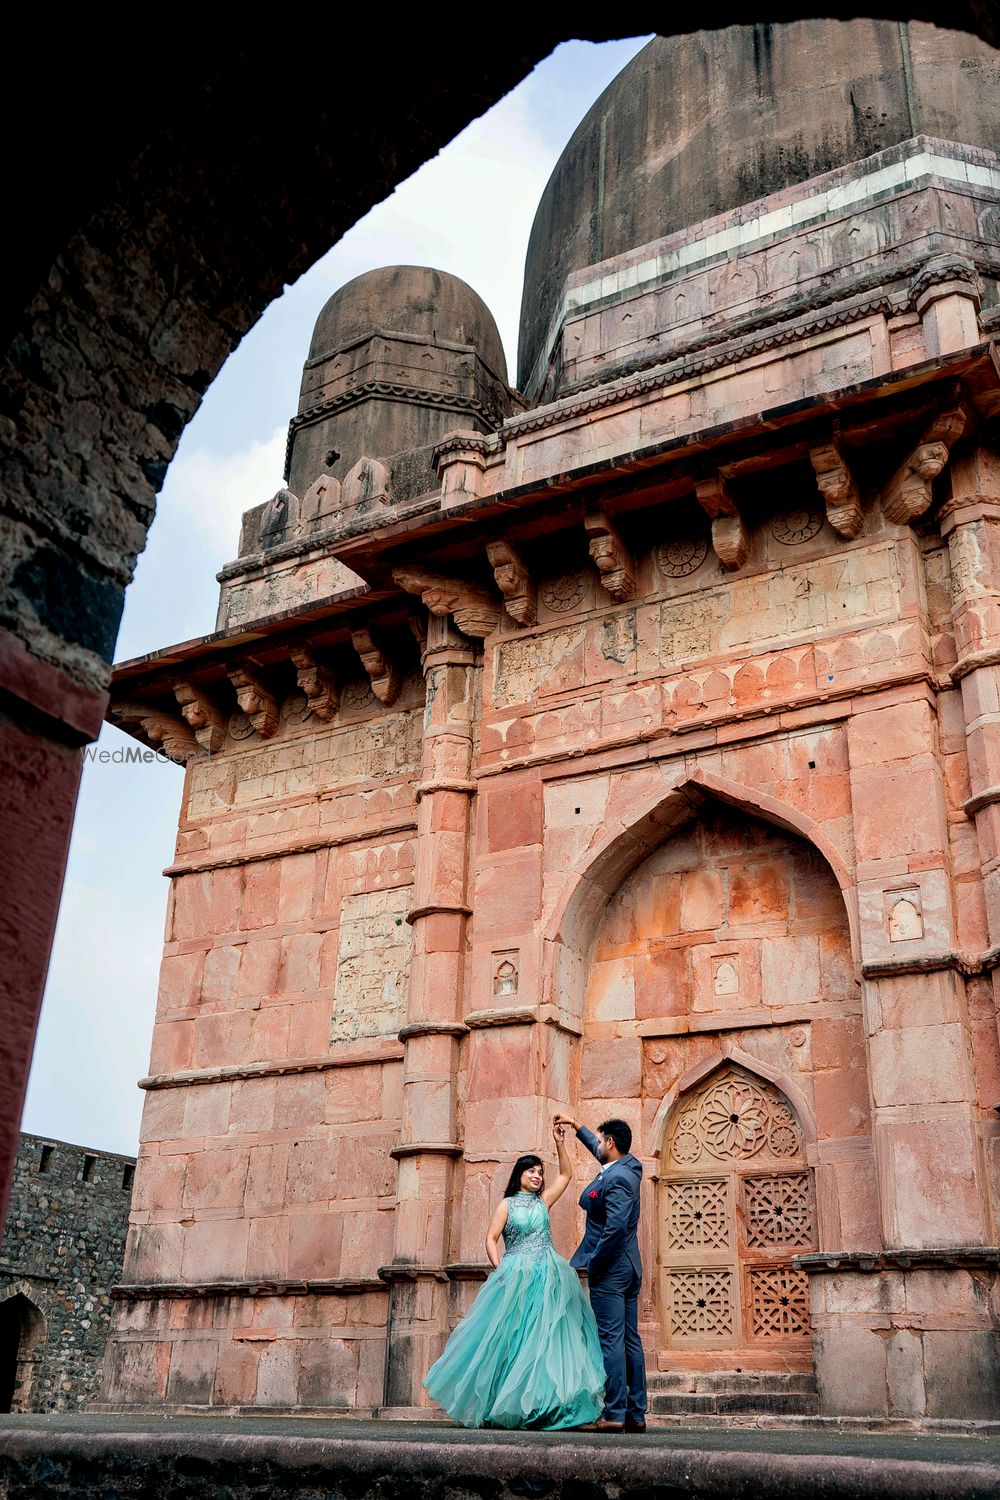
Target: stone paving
(81,1455)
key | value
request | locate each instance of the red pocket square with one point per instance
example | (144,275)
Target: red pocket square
(594,1193)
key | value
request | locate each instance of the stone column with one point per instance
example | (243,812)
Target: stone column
(428,1145)
(971,523)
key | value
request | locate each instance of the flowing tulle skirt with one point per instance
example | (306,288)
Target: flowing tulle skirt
(526,1354)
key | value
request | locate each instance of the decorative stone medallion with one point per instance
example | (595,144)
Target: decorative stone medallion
(295,708)
(240,727)
(796,526)
(681,558)
(357,696)
(563,594)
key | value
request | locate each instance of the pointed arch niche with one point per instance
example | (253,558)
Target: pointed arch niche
(710,944)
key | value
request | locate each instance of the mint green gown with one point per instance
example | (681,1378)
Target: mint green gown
(527,1353)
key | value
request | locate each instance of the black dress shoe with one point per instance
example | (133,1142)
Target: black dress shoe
(631,1425)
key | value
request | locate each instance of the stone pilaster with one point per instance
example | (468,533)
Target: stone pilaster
(428,1142)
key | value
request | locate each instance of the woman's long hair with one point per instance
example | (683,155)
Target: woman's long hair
(521,1165)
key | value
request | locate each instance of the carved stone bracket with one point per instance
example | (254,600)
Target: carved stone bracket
(254,697)
(514,581)
(837,486)
(316,680)
(610,555)
(202,713)
(475,610)
(729,537)
(366,485)
(382,672)
(175,737)
(908,493)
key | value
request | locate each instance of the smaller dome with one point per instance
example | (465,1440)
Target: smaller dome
(414,300)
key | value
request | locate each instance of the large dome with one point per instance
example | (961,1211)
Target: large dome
(699,124)
(414,300)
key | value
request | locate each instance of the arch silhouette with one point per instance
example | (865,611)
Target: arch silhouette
(619,848)
(22,1330)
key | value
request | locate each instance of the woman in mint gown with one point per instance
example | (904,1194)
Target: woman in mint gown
(527,1353)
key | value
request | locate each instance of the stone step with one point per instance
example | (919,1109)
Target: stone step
(717,1382)
(735,1403)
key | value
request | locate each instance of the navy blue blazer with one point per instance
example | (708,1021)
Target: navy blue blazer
(611,1203)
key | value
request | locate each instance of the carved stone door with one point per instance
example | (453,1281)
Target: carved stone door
(736,1204)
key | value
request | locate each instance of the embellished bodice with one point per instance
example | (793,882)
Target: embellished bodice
(527,1230)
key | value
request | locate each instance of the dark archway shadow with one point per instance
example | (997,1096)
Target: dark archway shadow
(22,1331)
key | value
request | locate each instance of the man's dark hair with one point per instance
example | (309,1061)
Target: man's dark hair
(619,1132)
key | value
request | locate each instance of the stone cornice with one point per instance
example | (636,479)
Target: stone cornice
(360,1057)
(425,1148)
(970,965)
(134,1291)
(389,1274)
(467,1271)
(292,846)
(432,1028)
(968,1257)
(385,390)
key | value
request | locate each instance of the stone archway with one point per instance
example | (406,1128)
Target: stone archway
(736,1202)
(22,1331)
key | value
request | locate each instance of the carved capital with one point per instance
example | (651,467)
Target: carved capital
(172,734)
(383,674)
(942,275)
(610,555)
(254,697)
(514,581)
(316,680)
(202,713)
(366,486)
(475,610)
(837,486)
(908,493)
(729,537)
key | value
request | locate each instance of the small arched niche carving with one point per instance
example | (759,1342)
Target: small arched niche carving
(505,979)
(727,979)
(905,922)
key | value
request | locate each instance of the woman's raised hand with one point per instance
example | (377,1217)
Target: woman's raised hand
(558,1129)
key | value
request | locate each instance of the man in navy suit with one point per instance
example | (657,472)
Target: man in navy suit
(609,1253)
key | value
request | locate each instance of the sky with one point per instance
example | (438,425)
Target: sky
(468,211)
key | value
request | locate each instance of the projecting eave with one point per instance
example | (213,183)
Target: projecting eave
(641,477)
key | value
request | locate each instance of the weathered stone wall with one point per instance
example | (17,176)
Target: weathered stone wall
(61,1253)
(275,1090)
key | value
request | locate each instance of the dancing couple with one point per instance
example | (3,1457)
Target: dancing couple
(532,1351)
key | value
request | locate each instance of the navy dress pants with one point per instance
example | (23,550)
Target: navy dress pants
(615,1300)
